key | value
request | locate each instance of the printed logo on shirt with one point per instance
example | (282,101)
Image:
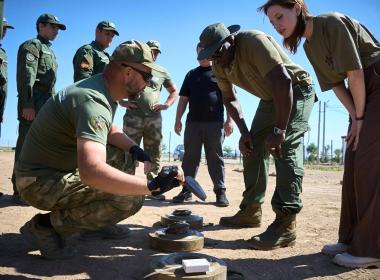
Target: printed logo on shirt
(97,123)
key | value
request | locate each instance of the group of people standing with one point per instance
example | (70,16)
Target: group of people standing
(73,169)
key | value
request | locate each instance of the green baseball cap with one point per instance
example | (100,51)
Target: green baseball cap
(154,45)
(136,52)
(107,25)
(212,38)
(49,18)
(6,24)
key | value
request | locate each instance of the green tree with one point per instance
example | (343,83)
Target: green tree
(338,155)
(227,149)
(312,152)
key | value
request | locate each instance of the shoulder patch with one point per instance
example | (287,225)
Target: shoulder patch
(97,122)
(32,50)
(30,57)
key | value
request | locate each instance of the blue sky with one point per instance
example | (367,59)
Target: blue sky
(177,26)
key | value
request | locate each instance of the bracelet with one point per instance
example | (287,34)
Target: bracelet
(359,118)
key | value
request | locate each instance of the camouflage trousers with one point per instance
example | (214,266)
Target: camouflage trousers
(76,207)
(148,129)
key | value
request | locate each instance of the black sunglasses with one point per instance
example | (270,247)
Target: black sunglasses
(147,77)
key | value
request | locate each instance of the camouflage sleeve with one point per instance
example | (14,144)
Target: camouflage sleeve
(3,97)
(27,65)
(83,63)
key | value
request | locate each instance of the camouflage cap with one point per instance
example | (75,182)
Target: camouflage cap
(136,52)
(107,25)
(49,18)
(6,24)
(212,38)
(154,45)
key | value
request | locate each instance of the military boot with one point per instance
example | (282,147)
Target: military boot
(250,216)
(281,233)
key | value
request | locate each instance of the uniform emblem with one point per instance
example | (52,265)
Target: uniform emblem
(30,57)
(98,123)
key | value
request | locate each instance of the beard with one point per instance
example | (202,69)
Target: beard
(133,94)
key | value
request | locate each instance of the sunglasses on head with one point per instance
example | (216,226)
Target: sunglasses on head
(147,77)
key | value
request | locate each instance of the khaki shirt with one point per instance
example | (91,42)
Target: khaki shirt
(82,110)
(36,70)
(256,54)
(151,96)
(89,60)
(3,81)
(339,44)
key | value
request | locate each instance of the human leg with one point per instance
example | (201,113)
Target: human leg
(213,141)
(256,168)
(23,129)
(286,201)
(192,156)
(133,127)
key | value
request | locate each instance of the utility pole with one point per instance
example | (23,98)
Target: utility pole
(331,152)
(319,128)
(324,130)
(343,149)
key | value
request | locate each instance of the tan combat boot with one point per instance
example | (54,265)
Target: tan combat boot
(250,216)
(281,233)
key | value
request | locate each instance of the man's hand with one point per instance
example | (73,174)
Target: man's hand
(228,128)
(273,144)
(178,127)
(353,134)
(28,114)
(158,107)
(168,178)
(245,144)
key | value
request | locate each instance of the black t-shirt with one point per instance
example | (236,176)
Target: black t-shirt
(205,97)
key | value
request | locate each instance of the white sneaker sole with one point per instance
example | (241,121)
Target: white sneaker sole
(357,265)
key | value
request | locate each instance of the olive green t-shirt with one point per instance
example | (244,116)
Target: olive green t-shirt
(151,95)
(339,44)
(256,54)
(82,110)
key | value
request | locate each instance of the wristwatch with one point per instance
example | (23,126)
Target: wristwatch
(278,131)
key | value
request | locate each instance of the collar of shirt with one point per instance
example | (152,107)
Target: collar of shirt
(43,40)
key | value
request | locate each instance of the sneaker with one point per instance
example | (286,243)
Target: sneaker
(47,240)
(351,261)
(333,249)
(182,197)
(111,232)
(156,197)
(221,199)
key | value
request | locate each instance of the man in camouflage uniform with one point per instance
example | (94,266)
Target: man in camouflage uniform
(65,167)
(36,76)
(3,73)
(91,59)
(143,120)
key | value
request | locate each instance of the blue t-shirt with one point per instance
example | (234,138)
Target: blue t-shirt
(205,97)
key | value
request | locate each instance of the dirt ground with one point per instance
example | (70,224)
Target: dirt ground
(130,259)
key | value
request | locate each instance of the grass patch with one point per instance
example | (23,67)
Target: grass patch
(324,167)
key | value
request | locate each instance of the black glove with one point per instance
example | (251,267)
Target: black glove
(138,154)
(164,181)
